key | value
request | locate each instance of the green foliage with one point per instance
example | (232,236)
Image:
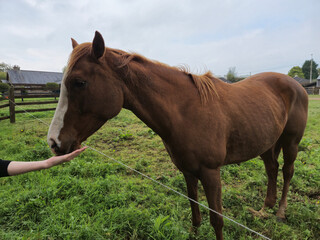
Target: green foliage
(162,228)
(306,69)
(3,76)
(4,87)
(123,136)
(296,71)
(52,86)
(5,67)
(93,197)
(232,75)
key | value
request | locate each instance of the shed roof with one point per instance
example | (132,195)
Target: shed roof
(302,81)
(33,77)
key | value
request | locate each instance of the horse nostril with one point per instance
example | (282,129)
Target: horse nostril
(54,147)
(53,144)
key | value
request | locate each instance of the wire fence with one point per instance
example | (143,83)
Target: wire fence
(157,182)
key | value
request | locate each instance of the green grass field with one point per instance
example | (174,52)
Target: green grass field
(93,197)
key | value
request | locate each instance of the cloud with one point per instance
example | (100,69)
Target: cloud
(251,35)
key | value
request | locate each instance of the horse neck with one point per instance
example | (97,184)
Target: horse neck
(157,94)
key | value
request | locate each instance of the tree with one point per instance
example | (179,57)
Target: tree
(232,75)
(3,76)
(4,67)
(306,69)
(3,87)
(296,71)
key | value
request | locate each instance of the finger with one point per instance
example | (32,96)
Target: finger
(77,152)
(83,148)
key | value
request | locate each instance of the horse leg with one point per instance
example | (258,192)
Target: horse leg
(270,159)
(192,186)
(290,151)
(210,179)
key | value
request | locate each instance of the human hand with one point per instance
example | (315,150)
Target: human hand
(56,160)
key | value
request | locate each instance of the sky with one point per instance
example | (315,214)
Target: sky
(251,35)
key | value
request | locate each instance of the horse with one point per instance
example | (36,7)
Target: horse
(203,122)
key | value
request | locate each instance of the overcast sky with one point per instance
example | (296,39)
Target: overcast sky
(251,35)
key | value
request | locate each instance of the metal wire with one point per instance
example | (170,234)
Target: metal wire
(155,181)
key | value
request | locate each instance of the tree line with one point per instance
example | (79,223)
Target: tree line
(304,71)
(296,71)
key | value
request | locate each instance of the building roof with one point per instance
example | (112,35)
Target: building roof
(307,83)
(33,77)
(302,81)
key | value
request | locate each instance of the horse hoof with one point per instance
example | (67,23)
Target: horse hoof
(281,216)
(281,219)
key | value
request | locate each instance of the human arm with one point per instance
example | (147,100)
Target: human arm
(16,167)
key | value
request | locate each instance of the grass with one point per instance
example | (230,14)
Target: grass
(314,96)
(93,197)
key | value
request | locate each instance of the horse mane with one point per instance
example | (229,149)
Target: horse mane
(78,52)
(204,83)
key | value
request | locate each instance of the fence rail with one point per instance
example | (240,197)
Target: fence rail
(36,96)
(4,105)
(27,91)
(36,110)
(4,118)
(36,103)
(313,90)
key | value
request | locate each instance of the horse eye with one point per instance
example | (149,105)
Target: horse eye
(79,83)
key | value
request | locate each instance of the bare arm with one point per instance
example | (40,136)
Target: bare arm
(15,168)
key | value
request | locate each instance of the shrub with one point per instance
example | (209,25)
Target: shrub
(4,87)
(52,86)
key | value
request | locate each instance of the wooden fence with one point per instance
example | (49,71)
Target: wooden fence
(313,90)
(23,92)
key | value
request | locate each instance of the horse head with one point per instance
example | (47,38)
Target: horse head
(90,95)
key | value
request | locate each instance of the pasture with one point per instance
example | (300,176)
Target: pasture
(93,197)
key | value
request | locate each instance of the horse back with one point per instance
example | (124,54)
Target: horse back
(286,91)
(259,109)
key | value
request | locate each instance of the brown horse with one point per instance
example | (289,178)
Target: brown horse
(204,123)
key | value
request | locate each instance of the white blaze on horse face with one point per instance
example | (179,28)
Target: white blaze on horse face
(57,121)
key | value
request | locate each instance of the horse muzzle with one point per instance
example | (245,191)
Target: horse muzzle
(63,148)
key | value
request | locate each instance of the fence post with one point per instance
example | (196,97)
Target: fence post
(12,105)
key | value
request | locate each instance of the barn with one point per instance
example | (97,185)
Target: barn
(26,77)
(312,87)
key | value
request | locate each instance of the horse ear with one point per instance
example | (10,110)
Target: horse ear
(98,47)
(74,43)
